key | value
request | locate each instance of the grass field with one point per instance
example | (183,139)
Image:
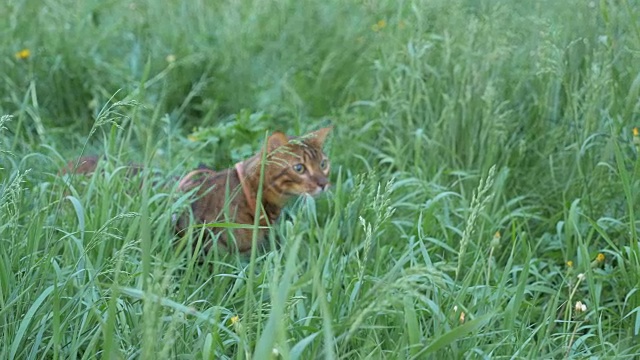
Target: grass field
(485,178)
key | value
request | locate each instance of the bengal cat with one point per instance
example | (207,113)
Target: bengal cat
(293,167)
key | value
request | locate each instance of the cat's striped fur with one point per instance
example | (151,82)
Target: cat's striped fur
(293,167)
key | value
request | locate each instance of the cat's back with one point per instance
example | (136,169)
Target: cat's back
(215,191)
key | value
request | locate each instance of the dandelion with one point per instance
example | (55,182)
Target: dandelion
(23,54)
(581,277)
(580,307)
(599,260)
(235,322)
(636,132)
(570,263)
(636,136)
(192,138)
(462,317)
(381,24)
(170,58)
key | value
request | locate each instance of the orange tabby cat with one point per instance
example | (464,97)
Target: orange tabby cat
(293,167)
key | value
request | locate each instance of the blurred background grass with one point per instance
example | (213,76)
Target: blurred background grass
(426,94)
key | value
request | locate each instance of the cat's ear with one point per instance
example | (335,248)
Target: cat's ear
(317,138)
(276,140)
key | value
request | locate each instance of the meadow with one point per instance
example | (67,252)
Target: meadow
(484,178)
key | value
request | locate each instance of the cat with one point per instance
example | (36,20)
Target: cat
(294,166)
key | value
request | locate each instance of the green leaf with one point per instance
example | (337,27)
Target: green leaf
(297,349)
(26,321)
(457,333)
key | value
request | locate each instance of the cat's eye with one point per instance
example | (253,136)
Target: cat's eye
(323,164)
(299,168)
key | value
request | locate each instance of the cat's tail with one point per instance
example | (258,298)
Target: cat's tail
(85,165)
(192,179)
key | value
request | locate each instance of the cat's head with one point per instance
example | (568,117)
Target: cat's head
(297,165)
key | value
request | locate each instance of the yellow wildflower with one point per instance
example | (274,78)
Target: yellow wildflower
(599,260)
(192,138)
(636,132)
(23,54)
(570,263)
(381,24)
(235,323)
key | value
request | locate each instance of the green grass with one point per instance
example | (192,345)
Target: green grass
(479,147)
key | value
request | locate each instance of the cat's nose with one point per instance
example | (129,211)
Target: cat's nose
(323,183)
